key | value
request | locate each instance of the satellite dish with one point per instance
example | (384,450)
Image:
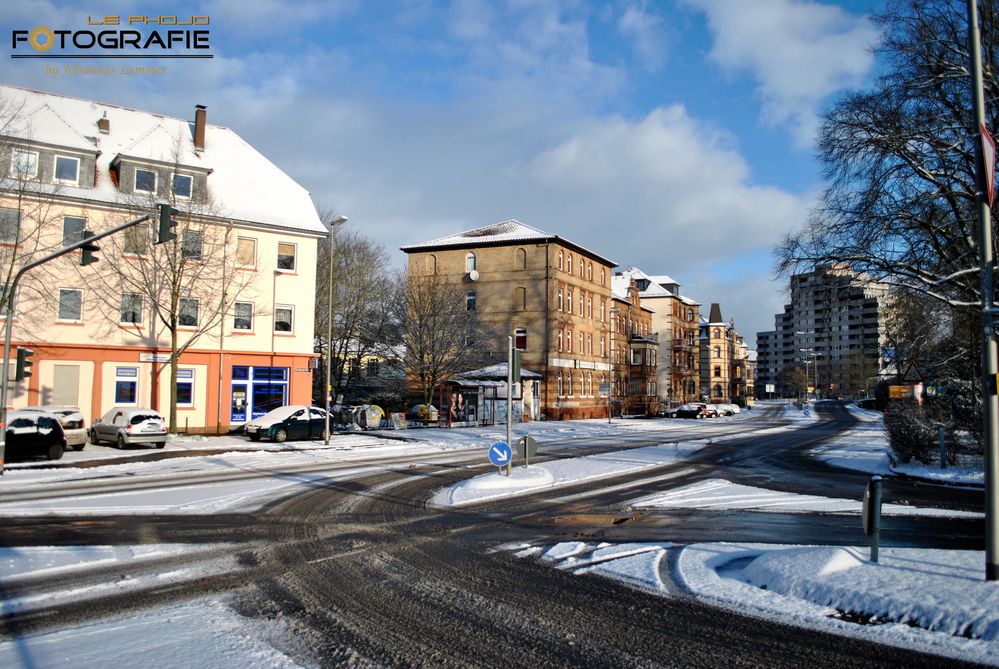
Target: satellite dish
(473,275)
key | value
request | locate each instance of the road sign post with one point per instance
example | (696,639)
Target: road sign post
(872,514)
(527,447)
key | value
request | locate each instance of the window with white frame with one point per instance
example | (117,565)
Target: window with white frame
(581,303)
(242,319)
(568,263)
(560,339)
(568,384)
(284,318)
(183,186)
(582,350)
(568,297)
(191,244)
(558,388)
(185,387)
(70,305)
(560,259)
(10,224)
(126,386)
(246,252)
(470,262)
(559,300)
(568,341)
(636,356)
(603,346)
(589,308)
(145,181)
(286,257)
(67,170)
(520,339)
(24,164)
(187,312)
(72,229)
(131,308)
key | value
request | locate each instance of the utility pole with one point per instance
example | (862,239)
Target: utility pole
(989,359)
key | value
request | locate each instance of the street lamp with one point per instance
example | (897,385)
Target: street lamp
(338,221)
(614,311)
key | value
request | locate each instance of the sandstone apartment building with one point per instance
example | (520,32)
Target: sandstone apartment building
(72,165)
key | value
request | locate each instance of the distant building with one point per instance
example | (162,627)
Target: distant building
(726,367)
(635,350)
(832,328)
(551,294)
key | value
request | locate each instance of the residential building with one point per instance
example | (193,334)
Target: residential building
(676,324)
(244,314)
(726,369)
(833,328)
(551,294)
(634,349)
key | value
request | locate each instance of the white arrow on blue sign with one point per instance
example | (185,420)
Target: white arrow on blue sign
(500,453)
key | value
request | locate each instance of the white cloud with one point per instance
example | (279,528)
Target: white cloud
(646,32)
(798,51)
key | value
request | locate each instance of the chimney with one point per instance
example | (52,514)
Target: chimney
(200,120)
(103,124)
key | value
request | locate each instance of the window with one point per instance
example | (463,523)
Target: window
(24,164)
(568,383)
(521,262)
(183,185)
(470,301)
(145,181)
(589,344)
(717,335)
(131,308)
(372,367)
(187,312)
(243,317)
(560,339)
(568,295)
(589,308)
(717,351)
(603,277)
(718,391)
(568,341)
(190,245)
(690,314)
(286,257)
(581,349)
(560,259)
(246,251)
(185,387)
(9,225)
(70,304)
(135,240)
(603,311)
(432,264)
(581,274)
(72,229)
(636,356)
(589,271)
(580,303)
(560,299)
(558,391)
(284,318)
(520,339)
(603,346)
(126,385)
(470,262)
(717,370)
(67,170)
(568,263)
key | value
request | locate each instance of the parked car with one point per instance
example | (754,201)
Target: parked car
(35,432)
(725,409)
(124,426)
(73,424)
(693,410)
(288,422)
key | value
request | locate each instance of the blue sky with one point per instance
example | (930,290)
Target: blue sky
(676,136)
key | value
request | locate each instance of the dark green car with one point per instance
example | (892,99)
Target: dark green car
(288,422)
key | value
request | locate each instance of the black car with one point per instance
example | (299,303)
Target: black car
(692,411)
(288,422)
(35,433)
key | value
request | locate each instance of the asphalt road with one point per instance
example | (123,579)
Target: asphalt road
(365,574)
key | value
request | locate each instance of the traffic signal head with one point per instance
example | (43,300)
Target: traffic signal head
(23,369)
(167,224)
(87,251)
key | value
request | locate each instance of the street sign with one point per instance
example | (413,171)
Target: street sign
(989,158)
(528,444)
(500,454)
(899,392)
(912,375)
(604,388)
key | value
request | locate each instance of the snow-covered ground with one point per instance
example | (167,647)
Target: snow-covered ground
(934,601)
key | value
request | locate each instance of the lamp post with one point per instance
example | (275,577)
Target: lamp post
(338,221)
(814,369)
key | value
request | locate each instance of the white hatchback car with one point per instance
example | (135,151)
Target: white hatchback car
(72,422)
(123,426)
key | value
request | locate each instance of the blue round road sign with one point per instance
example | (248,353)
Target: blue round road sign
(500,453)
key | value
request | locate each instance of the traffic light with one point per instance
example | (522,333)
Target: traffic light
(87,251)
(167,224)
(23,369)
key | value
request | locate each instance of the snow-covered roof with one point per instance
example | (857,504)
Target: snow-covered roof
(619,287)
(500,234)
(245,185)
(691,302)
(497,371)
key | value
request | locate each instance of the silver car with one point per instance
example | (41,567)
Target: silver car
(72,421)
(123,426)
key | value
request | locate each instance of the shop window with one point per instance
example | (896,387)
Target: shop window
(185,387)
(126,386)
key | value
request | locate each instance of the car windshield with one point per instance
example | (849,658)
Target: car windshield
(280,413)
(140,417)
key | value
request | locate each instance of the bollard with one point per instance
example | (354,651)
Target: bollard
(943,449)
(872,514)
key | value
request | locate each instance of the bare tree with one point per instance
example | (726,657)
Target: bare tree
(440,334)
(900,159)
(363,305)
(189,284)
(794,378)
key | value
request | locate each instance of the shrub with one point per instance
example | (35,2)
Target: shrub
(914,429)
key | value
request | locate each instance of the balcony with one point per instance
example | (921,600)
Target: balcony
(652,337)
(682,345)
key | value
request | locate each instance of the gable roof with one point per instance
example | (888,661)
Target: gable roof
(245,184)
(504,233)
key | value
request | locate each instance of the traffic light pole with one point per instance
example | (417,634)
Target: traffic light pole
(8,325)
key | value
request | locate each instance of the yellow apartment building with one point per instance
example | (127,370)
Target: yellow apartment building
(248,237)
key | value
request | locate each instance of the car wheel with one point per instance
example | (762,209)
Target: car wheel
(55,451)
(280,435)
(160,444)
(254,437)
(121,441)
(78,447)
(93,437)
